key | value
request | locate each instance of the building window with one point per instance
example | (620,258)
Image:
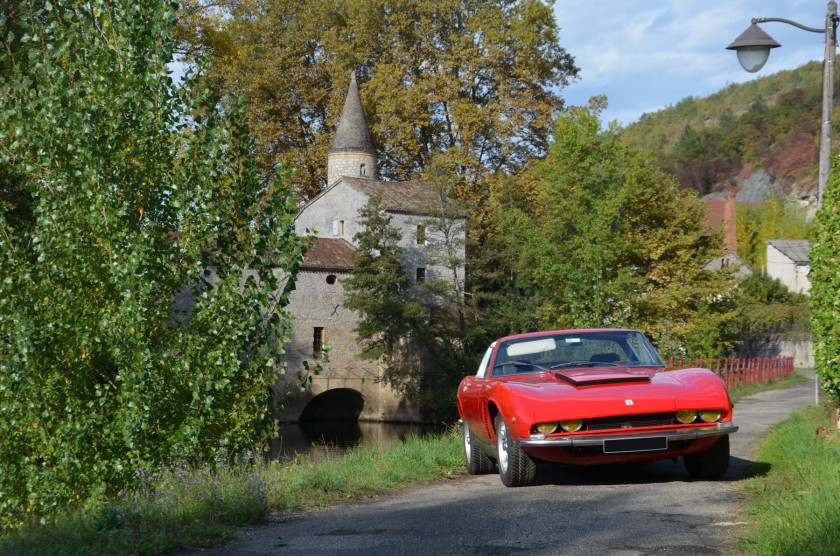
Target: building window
(318,340)
(421,234)
(362,170)
(338,228)
(331,278)
(421,275)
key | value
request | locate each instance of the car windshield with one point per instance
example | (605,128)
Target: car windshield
(531,354)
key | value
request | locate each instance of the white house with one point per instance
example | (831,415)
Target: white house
(789,261)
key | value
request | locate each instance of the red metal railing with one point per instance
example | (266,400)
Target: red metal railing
(742,371)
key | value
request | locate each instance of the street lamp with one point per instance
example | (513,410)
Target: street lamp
(753,48)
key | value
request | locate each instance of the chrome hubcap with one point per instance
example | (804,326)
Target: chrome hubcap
(502,447)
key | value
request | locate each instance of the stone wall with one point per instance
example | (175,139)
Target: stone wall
(316,303)
(342,203)
(798,346)
(350,164)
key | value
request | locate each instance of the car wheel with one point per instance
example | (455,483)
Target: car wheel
(712,463)
(516,468)
(478,463)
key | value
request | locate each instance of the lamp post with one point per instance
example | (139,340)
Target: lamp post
(753,48)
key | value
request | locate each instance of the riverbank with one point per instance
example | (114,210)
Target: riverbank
(179,506)
(791,503)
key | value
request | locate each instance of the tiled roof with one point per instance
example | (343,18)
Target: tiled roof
(794,249)
(397,196)
(329,254)
(715,211)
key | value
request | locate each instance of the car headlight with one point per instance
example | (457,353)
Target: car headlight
(686,416)
(572,425)
(547,428)
(709,415)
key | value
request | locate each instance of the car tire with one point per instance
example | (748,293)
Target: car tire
(478,463)
(711,464)
(516,468)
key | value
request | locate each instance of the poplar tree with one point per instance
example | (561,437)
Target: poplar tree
(137,194)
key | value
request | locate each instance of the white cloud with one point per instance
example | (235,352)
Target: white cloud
(647,55)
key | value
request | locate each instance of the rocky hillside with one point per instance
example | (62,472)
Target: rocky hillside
(756,135)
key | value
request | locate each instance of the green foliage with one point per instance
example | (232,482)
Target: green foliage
(778,218)
(771,122)
(378,289)
(471,84)
(603,238)
(764,305)
(423,334)
(136,192)
(825,288)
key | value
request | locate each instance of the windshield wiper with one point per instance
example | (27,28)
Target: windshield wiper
(583,363)
(516,364)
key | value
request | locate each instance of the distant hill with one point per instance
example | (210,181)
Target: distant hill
(721,141)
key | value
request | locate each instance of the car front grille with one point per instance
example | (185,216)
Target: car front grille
(631,421)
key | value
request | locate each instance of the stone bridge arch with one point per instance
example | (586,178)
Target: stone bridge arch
(337,404)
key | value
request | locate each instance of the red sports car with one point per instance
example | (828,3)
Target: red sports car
(590,397)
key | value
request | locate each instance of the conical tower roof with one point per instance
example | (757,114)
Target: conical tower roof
(353,133)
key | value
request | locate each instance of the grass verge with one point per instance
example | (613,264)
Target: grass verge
(738,392)
(792,504)
(179,506)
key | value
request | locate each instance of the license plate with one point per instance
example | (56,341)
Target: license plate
(626,445)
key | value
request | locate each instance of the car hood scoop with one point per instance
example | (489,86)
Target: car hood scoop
(612,375)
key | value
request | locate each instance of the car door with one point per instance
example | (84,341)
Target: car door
(473,396)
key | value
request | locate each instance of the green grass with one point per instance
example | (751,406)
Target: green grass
(793,504)
(180,506)
(738,392)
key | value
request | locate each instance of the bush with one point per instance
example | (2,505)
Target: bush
(825,288)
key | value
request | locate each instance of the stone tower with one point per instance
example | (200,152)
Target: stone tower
(352,153)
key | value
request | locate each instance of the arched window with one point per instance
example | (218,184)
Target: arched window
(362,170)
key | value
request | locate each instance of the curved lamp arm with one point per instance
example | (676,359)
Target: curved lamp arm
(795,24)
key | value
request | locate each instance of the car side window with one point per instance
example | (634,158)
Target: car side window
(482,369)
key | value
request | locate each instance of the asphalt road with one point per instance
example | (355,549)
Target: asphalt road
(641,509)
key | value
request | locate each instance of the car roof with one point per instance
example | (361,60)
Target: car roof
(570,331)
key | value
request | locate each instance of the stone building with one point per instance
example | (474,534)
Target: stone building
(349,386)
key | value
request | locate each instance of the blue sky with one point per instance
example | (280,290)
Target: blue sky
(648,54)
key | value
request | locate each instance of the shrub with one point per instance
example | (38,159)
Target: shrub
(825,288)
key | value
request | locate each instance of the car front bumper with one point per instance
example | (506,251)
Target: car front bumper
(683,433)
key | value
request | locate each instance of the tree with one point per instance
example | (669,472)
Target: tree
(825,288)
(128,333)
(422,334)
(470,84)
(378,290)
(601,237)
(778,217)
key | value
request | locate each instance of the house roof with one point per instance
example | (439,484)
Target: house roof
(329,254)
(794,249)
(353,133)
(715,213)
(397,196)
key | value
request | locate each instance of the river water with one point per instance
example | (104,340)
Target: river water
(332,439)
